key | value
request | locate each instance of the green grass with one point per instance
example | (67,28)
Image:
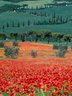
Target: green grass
(30,3)
(2,3)
(34,3)
(9,17)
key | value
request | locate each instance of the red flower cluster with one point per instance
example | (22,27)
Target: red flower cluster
(22,77)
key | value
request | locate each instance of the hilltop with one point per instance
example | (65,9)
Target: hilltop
(16,1)
(63,0)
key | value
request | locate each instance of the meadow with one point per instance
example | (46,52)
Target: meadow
(44,75)
(28,67)
(32,15)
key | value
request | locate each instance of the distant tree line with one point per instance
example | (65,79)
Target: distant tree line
(35,36)
(61,42)
(8,7)
(52,21)
(13,24)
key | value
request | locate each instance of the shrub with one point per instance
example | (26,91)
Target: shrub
(56,46)
(63,47)
(11,52)
(61,53)
(33,53)
(1,44)
(71,46)
(60,47)
(15,43)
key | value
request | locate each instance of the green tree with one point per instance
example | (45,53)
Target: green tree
(25,5)
(14,35)
(23,24)
(3,27)
(67,38)
(57,37)
(18,25)
(7,25)
(48,35)
(28,22)
(3,36)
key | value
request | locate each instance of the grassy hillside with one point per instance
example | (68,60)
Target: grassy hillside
(7,5)
(15,1)
(2,3)
(18,0)
(63,0)
(35,2)
(8,15)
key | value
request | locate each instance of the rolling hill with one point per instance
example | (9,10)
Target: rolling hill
(31,3)
(18,0)
(63,0)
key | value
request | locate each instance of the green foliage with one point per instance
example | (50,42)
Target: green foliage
(60,46)
(4,94)
(1,44)
(55,46)
(36,36)
(40,92)
(2,36)
(61,53)
(51,92)
(14,36)
(62,49)
(11,52)
(33,53)
(8,7)
(15,43)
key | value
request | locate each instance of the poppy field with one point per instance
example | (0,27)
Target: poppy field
(26,78)
(45,75)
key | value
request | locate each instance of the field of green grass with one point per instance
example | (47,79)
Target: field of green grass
(24,16)
(33,3)
(10,17)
